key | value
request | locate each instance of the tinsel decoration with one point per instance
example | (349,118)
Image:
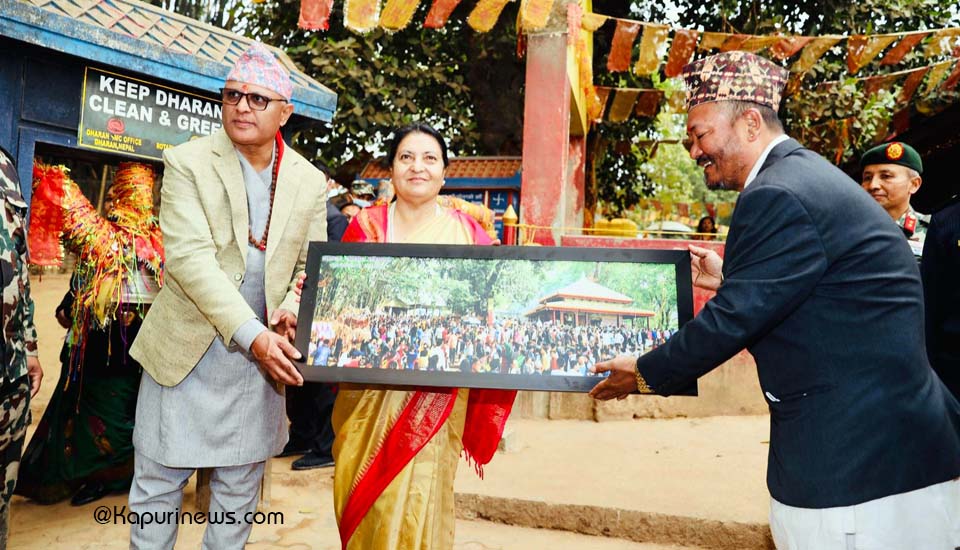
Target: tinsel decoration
(112,254)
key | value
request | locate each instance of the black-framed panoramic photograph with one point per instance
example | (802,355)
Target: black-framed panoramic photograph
(506,317)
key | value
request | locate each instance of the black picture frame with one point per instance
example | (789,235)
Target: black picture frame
(339,259)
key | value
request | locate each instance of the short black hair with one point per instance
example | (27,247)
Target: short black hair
(417,127)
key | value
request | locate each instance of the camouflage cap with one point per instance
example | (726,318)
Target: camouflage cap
(895,152)
(734,76)
(361,187)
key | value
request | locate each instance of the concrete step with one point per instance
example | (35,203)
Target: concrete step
(484,535)
(689,482)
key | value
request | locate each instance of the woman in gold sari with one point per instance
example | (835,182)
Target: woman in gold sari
(396,450)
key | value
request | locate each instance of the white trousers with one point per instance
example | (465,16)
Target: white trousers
(927,518)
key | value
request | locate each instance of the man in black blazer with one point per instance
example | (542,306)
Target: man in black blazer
(939,268)
(820,286)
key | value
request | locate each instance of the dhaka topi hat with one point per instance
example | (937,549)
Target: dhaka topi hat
(895,152)
(259,66)
(734,76)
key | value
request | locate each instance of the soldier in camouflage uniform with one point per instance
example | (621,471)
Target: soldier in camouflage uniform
(20,371)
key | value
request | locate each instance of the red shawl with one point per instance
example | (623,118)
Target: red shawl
(487,410)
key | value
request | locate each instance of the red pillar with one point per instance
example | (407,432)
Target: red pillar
(546,136)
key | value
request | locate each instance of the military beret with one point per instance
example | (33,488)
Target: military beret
(895,152)
(735,76)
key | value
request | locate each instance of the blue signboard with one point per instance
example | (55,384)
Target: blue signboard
(475,197)
(499,201)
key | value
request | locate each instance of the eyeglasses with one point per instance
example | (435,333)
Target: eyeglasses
(256,102)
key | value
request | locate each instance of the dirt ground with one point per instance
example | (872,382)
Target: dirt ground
(686,484)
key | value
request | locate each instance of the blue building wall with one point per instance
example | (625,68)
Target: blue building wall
(40,101)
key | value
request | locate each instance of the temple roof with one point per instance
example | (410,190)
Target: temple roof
(466,167)
(586,306)
(586,289)
(137,36)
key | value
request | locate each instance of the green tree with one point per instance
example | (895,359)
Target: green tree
(470,85)
(840,118)
(466,84)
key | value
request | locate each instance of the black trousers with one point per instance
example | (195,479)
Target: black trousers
(309,408)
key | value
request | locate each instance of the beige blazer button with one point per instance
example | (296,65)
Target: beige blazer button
(238,277)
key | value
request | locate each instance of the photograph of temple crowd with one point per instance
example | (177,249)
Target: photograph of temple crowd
(484,322)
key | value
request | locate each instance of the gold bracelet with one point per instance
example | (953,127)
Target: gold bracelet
(642,384)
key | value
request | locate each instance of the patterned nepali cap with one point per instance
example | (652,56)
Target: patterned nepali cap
(734,76)
(259,66)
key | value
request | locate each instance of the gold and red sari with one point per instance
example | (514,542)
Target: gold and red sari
(396,450)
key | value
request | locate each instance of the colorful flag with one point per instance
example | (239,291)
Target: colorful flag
(713,40)
(943,41)
(439,13)
(485,15)
(951,82)
(676,101)
(910,85)
(683,46)
(648,104)
(315,15)
(398,13)
(874,84)
(622,48)
(602,94)
(896,54)
(650,43)
(623,101)
(593,21)
(937,72)
(862,49)
(786,48)
(733,42)
(361,15)
(813,52)
(534,14)
(756,43)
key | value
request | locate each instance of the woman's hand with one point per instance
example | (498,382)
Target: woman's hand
(298,289)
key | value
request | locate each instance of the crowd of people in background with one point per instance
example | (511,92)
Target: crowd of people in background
(463,344)
(360,194)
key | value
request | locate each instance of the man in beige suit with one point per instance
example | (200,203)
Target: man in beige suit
(238,209)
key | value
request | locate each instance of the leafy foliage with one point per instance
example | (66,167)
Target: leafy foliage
(838,119)
(466,84)
(470,85)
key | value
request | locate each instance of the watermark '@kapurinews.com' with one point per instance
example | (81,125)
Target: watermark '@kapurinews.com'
(120,515)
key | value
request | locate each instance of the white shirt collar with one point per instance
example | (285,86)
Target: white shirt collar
(763,157)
